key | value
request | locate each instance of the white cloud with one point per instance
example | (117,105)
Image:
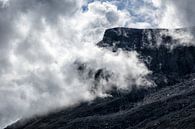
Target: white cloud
(175,14)
(40,42)
(185,11)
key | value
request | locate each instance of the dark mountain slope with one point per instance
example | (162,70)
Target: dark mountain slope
(170,105)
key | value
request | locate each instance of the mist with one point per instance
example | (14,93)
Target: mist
(40,43)
(43,42)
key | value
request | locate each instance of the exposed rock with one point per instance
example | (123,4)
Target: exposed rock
(155,47)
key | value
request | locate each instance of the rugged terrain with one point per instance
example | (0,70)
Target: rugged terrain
(169,105)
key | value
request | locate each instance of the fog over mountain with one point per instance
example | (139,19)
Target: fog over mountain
(45,42)
(168,104)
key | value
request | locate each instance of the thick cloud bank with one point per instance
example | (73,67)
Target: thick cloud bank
(43,41)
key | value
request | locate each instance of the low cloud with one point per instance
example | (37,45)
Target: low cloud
(40,43)
(44,42)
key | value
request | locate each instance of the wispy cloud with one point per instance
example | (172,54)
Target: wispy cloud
(40,42)
(42,39)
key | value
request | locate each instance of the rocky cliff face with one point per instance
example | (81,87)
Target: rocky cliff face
(162,52)
(170,105)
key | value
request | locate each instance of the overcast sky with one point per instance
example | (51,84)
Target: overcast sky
(40,40)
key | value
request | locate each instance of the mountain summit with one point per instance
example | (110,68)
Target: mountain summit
(162,51)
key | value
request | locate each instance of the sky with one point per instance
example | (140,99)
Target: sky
(42,42)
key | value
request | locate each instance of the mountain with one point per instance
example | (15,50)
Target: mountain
(153,44)
(160,49)
(169,105)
